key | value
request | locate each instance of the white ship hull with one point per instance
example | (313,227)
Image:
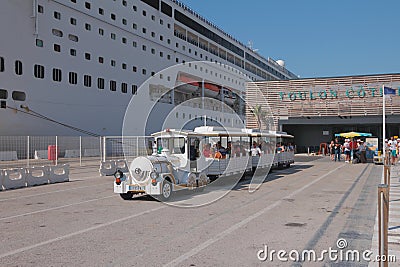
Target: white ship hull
(107,46)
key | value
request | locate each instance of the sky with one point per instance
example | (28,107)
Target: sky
(315,38)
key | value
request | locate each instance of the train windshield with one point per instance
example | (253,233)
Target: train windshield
(175,145)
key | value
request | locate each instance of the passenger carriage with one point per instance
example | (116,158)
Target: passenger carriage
(191,159)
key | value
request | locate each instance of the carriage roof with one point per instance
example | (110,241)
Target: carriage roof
(219,132)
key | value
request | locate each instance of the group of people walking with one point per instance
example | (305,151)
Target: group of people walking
(357,148)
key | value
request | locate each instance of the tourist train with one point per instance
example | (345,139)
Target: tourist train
(191,159)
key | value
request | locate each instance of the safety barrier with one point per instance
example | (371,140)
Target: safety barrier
(40,154)
(1,179)
(72,153)
(109,167)
(14,178)
(121,165)
(8,155)
(91,153)
(59,173)
(37,176)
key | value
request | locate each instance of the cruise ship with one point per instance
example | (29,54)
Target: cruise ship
(71,67)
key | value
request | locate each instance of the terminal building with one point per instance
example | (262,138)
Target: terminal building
(314,109)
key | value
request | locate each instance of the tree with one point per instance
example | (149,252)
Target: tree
(260,114)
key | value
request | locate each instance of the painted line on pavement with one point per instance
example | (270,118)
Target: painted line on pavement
(16,251)
(242,223)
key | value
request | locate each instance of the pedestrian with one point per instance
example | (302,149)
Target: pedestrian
(337,150)
(362,148)
(332,150)
(346,150)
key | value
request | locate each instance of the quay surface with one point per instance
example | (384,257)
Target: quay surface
(309,206)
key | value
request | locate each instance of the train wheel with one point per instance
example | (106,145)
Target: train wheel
(127,196)
(166,190)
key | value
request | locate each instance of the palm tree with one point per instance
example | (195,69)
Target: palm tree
(259,113)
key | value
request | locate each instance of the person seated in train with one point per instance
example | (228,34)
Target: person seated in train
(280,148)
(207,150)
(229,148)
(221,149)
(255,150)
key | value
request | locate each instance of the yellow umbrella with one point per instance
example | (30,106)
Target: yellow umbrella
(352,134)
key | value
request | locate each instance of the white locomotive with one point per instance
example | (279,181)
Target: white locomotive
(191,159)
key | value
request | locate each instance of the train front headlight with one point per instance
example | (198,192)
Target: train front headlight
(118,176)
(154,175)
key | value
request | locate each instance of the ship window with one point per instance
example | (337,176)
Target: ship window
(144,48)
(169,78)
(73,78)
(134,44)
(87,80)
(3,94)
(88,27)
(153,51)
(183,47)
(153,18)
(124,88)
(144,13)
(124,66)
(134,8)
(112,62)
(113,36)
(113,17)
(144,30)
(153,73)
(134,26)
(134,89)
(18,96)
(72,52)
(87,5)
(144,71)
(101,31)
(73,37)
(124,3)
(1,64)
(166,9)
(57,47)
(38,71)
(153,34)
(161,38)
(87,56)
(57,75)
(40,9)
(57,32)
(169,57)
(39,43)
(134,69)
(113,85)
(101,11)
(57,15)
(73,1)
(168,41)
(161,22)
(124,21)
(124,40)
(100,83)
(72,21)
(169,26)
(101,60)
(153,3)
(161,54)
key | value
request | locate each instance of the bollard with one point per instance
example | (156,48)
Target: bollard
(383,221)
(308,151)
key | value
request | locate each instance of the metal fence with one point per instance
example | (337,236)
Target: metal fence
(78,151)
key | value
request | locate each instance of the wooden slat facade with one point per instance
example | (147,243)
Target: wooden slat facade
(366,100)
